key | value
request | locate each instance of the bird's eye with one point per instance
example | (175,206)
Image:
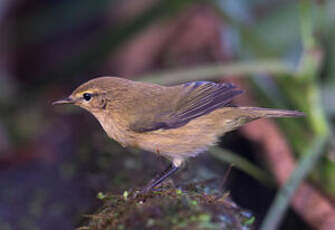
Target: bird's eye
(87,96)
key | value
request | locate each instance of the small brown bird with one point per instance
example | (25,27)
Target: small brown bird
(176,122)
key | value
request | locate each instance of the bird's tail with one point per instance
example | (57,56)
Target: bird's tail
(256,112)
(234,117)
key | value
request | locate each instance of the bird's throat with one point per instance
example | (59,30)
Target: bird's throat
(112,127)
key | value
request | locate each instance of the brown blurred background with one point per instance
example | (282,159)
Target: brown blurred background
(53,161)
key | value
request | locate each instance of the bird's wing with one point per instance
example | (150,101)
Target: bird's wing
(190,100)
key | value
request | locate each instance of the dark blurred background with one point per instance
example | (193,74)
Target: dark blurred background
(53,161)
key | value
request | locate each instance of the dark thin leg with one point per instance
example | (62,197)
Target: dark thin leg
(159,178)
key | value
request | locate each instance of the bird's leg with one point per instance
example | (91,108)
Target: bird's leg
(159,178)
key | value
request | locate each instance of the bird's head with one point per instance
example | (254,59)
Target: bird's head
(92,95)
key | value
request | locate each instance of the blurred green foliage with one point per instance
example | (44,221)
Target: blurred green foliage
(284,48)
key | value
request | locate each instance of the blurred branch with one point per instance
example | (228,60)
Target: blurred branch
(284,196)
(220,70)
(242,164)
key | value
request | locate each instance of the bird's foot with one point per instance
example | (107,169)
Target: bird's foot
(141,193)
(156,181)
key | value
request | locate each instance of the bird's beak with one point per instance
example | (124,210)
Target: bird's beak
(67,100)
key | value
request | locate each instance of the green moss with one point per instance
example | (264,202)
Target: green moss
(250,221)
(101,196)
(169,208)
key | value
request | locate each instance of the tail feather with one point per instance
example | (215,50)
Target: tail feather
(234,117)
(268,113)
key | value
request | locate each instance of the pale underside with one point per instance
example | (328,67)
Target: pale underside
(186,141)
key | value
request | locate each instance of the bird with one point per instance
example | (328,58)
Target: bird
(176,122)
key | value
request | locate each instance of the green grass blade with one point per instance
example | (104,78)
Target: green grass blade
(242,164)
(285,194)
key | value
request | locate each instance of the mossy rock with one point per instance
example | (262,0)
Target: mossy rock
(169,208)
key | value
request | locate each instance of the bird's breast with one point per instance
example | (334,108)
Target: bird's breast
(115,129)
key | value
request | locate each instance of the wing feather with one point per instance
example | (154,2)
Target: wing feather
(195,99)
